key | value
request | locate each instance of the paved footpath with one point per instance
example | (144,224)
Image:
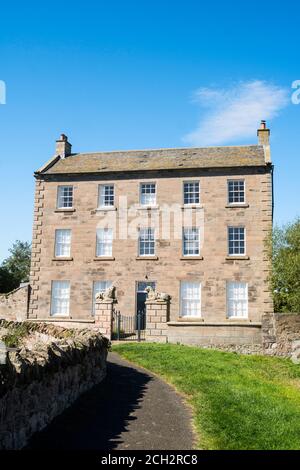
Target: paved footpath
(131,409)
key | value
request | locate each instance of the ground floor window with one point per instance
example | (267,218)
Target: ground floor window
(98,287)
(190,299)
(237,300)
(60,298)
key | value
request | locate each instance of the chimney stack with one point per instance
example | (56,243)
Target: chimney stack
(263,135)
(63,147)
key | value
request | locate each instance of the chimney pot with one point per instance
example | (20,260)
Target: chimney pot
(63,147)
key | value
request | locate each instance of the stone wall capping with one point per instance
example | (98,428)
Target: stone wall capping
(61,319)
(206,323)
(156,302)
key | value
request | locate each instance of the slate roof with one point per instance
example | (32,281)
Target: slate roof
(160,159)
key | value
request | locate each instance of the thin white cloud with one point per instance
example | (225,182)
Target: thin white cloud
(235,113)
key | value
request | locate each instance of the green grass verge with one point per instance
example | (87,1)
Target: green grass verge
(239,401)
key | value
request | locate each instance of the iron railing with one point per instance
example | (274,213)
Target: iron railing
(129,328)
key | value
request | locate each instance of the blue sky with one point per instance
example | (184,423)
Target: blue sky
(127,75)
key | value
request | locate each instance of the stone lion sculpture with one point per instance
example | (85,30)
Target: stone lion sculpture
(160,296)
(108,294)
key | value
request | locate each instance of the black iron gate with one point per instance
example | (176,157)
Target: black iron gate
(129,328)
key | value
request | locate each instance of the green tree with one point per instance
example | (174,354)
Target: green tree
(16,267)
(285,278)
(6,281)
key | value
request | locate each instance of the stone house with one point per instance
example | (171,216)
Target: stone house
(191,222)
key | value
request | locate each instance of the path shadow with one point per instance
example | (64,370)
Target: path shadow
(97,418)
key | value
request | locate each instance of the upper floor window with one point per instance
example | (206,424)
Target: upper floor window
(191,192)
(65,197)
(148,194)
(236,240)
(190,299)
(236,191)
(237,300)
(98,287)
(106,195)
(60,298)
(62,242)
(104,242)
(191,241)
(146,242)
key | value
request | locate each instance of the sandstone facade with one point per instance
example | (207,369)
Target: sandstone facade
(213,268)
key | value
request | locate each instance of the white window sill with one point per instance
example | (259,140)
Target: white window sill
(190,319)
(142,207)
(237,205)
(192,206)
(65,209)
(106,208)
(191,257)
(59,315)
(239,319)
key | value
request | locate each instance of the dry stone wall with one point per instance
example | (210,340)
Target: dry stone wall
(14,305)
(281,335)
(51,370)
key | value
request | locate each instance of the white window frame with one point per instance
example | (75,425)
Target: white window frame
(105,285)
(149,241)
(60,243)
(191,203)
(238,180)
(190,241)
(61,197)
(184,298)
(54,311)
(232,302)
(143,202)
(103,196)
(104,241)
(237,240)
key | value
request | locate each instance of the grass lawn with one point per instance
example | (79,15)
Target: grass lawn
(239,402)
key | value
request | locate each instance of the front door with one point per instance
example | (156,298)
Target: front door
(141,295)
